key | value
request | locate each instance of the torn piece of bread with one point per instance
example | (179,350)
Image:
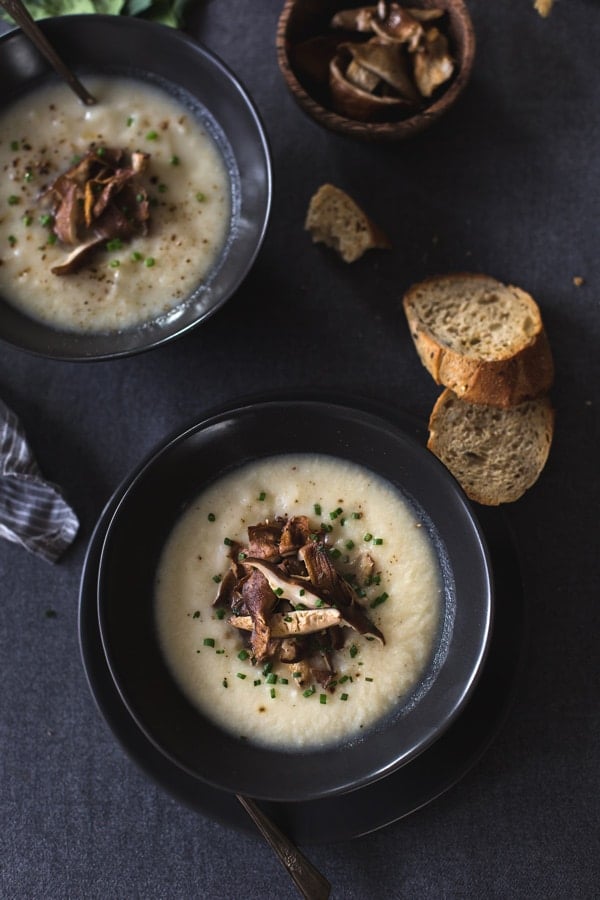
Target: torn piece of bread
(482,339)
(495,454)
(334,219)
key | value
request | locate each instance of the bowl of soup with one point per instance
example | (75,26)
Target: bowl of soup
(294,599)
(128,222)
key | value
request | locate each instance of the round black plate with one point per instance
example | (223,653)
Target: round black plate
(340,818)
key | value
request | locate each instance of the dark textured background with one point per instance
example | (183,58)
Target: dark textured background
(508,184)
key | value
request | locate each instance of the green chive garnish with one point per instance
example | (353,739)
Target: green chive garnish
(368,536)
(262,495)
(209,642)
(243,654)
(211,517)
(322,698)
(343,696)
(317,509)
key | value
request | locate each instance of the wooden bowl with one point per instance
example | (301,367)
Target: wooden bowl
(302,20)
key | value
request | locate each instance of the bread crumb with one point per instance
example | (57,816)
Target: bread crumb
(336,220)
(544,7)
(578,280)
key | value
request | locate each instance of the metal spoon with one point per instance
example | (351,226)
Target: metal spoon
(309,881)
(22,17)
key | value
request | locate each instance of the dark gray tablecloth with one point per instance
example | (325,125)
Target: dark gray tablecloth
(508,184)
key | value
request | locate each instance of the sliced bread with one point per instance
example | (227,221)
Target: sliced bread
(495,454)
(482,339)
(335,219)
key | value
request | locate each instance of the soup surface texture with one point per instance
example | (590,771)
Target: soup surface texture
(402,597)
(187,182)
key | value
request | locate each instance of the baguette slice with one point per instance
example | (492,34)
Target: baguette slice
(334,219)
(494,454)
(482,339)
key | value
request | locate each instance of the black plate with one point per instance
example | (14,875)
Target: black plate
(414,785)
(152,500)
(171,60)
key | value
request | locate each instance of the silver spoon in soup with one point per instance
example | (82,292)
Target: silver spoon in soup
(23,18)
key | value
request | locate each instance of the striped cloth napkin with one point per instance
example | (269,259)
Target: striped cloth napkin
(33,512)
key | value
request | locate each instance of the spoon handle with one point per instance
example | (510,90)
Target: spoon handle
(22,17)
(309,881)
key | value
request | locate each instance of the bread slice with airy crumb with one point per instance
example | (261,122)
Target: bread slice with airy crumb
(495,454)
(482,339)
(335,219)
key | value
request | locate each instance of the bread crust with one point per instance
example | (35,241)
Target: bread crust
(336,219)
(522,374)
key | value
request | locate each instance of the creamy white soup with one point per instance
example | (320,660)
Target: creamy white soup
(124,283)
(373,537)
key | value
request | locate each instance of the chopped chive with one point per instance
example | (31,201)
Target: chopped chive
(344,679)
(317,509)
(114,244)
(241,675)
(287,619)
(267,668)
(271,678)
(152,135)
(343,696)
(349,545)
(114,263)
(301,592)
(273,693)
(243,654)
(257,681)
(174,160)
(353,651)
(27,220)
(12,240)
(130,121)
(209,642)
(100,151)
(300,606)
(262,495)
(283,681)
(220,652)
(320,603)
(334,514)
(220,613)
(378,540)
(136,256)
(52,239)
(335,552)
(357,515)
(211,517)
(228,542)
(242,556)
(323,698)
(368,536)
(196,615)
(308,692)
(28,175)
(13,200)
(224,683)
(149,262)
(278,591)
(377,601)
(216,578)
(200,197)
(14,145)
(296,674)
(368,679)
(45,219)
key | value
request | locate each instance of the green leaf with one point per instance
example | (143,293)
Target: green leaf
(169,12)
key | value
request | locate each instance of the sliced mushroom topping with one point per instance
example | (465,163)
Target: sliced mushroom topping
(98,199)
(259,600)
(433,64)
(285,625)
(356,103)
(361,77)
(394,23)
(388,63)
(296,591)
(336,590)
(355,19)
(263,540)
(295,533)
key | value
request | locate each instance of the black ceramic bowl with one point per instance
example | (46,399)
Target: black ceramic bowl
(165,57)
(149,504)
